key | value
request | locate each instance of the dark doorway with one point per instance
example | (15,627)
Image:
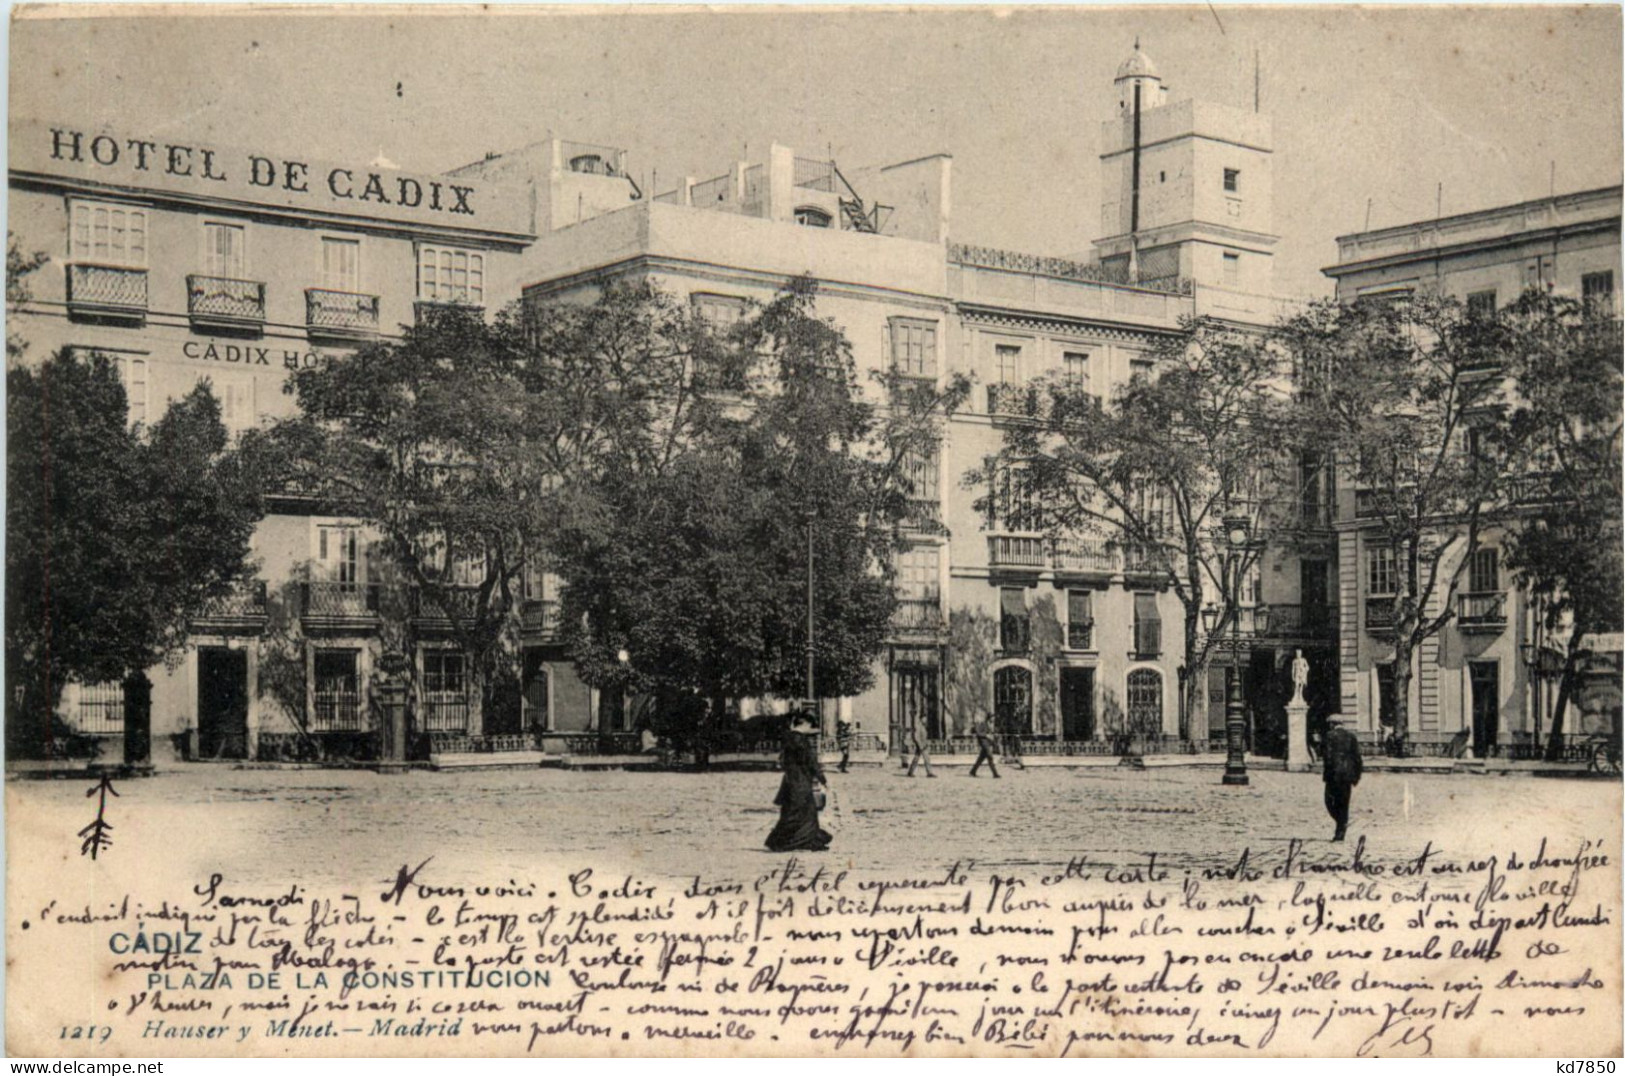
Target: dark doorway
(1485,677)
(222,703)
(1078,704)
(1013,700)
(915,704)
(534,689)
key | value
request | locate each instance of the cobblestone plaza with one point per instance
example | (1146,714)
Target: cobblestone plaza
(332,826)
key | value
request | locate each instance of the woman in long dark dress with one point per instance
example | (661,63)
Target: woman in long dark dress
(798,811)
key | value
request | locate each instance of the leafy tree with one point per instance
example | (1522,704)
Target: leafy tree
(456,441)
(1561,438)
(1158,469)
(693,560)
(18,267)
(115,537)
(1405,395)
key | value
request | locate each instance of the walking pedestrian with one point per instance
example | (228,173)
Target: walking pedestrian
(919,750)
(985,745)
(843,740)
(1341,768)
(798,798)
(1012,748)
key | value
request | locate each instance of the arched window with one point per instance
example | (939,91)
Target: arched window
(1013,700)
(1145,702)
(813,217)
(589,164)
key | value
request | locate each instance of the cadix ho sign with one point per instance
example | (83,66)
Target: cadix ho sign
(192,170)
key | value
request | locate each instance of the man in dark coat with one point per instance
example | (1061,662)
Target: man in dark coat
(983,732)
(1341,767)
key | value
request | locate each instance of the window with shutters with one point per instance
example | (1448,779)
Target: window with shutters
(1147,626)
(1484,574)
(917,573)
(225,250)
(920,475)
(1481,304)
(236,393)
(1381,580)
(914,347)
(341,264)
(1006,364)
(1014,623)
(336,553)
(132,372)
(1597,291)
(1080,620)
(1075,370)
(718,311)
(451,275)
(108,234)
(1015,503)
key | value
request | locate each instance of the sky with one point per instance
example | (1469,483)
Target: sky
(1387,114)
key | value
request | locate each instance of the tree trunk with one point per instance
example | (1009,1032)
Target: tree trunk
(1194,677)
(1402,693)
(1554,744)
(475,690)
(29,720)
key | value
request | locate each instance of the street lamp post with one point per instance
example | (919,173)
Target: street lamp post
(811,698)
(1235,764)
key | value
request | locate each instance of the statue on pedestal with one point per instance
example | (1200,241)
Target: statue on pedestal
(1300,676)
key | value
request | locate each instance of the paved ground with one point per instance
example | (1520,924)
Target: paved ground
(253,824)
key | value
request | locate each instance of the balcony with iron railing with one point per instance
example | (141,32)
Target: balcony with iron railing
(1146,561)
(340,313)
(539,619)
(923,516)
(425,311)
(1080,634)
(1092,558)
(225,302)
(1379,614)
(434,609)
(240,610)
(116,292)
(1482,611)
(1015,401)
(918,616)
(1018,552)
(338,606)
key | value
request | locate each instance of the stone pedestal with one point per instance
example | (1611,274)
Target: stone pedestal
(392,757)
(138,723)
(1297,736)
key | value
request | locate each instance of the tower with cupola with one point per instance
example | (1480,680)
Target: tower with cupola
(1186,188)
